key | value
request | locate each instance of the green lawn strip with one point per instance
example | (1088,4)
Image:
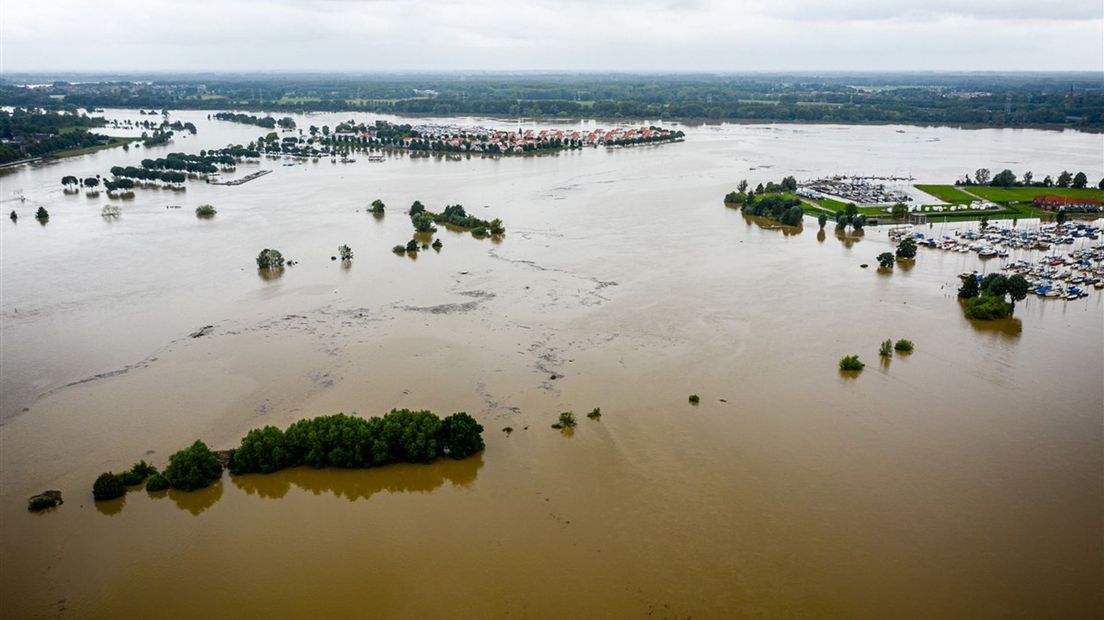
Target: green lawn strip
(947,193)
(114,142)
(1028,194)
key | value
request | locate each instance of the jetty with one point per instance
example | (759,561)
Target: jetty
(247,178)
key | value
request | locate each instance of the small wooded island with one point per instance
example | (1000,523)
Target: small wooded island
(347,441)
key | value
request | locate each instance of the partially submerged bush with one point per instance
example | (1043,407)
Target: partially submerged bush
(886,260)
(399,249)
(44,501)
(262,450)
(851,363)
(694,399)
(567,419)
(107,486)
(460,435)
(987,308)
(345,252)
(423,222)
(157,482)
(378,206)
(205,211)
(595,413)
(906,249)
(437,244)
(270,259)
(130,478)
(42,214)
(903,346)
(886,348)
(412,246)
(193,467)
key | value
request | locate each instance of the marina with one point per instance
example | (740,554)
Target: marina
(1058,260)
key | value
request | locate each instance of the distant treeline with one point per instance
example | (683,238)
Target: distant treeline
(1002,100)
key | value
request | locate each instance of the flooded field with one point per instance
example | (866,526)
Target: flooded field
(964,480)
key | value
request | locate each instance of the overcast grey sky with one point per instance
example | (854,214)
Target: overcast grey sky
(649,35)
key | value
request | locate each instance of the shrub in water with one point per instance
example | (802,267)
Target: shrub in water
(851,363)
(193,467)
(345,252)
(107,486)
(567,419)
(399,249)
(903,346)
(130,478)
(157,482)
(886,349)
(270,259)
(460,435)
(694,399)
(412,246)
(595,413)
(39,503)
(205,211)
(987,308)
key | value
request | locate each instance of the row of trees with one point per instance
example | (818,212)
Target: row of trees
(325,441)
(261,121)
(353,442)
(1007,178)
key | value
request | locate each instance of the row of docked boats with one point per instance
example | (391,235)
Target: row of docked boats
(998,242)
(1057,274)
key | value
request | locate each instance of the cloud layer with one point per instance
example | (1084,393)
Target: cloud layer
(660,35)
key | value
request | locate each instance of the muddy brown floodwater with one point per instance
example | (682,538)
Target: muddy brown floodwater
(963,481)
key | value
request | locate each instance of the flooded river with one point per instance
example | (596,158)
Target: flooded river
(964,480)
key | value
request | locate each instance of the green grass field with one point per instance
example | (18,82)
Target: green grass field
(946,193)
(114,142)
(1027,194)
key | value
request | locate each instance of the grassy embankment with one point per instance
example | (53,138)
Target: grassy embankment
(112,143)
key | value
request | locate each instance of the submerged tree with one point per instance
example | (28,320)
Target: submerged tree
(270,259)
(193,467)
(886,348)
(885,260)
(969,288)
(345,252)
(906,249)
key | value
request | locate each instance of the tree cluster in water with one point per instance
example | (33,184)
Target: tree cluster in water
(773,201)
(352,442)
(261,121)
(985,299)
